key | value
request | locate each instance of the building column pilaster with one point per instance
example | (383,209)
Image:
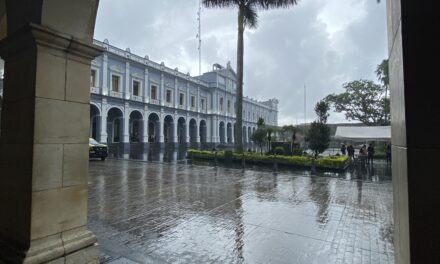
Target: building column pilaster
(44,148)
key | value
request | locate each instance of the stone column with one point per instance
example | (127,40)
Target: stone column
(176,98)
(198,99)
(415,127)
(145,132)
(103,132)
(161,125)
(187,97)
(162,90)
(187,129)
(198,130)
(208,130)
(233,131)
(175,126)
(44,141)
(126,124)
(127,88)
(105,86)
(146,87)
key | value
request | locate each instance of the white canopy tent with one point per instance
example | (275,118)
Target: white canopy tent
(363,133)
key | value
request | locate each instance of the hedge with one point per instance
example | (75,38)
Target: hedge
(329,162)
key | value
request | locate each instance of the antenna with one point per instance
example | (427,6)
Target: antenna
(199,35)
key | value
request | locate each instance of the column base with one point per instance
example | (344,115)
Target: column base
(73,246)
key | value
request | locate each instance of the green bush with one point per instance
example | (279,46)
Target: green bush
(331,162)
(279,150)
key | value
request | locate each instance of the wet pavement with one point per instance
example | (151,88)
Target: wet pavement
(159,212)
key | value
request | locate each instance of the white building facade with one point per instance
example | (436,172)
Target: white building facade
(134,99)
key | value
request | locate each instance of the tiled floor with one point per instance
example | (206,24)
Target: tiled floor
(151,212)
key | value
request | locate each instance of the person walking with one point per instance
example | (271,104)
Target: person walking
(343,149)
(350,152)
(370,154)
(388,153)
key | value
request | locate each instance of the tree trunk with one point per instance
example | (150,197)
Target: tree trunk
(239,92)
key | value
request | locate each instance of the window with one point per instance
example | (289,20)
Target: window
(93,78)
(249,115)
(136,85)
(193,101)
(154,92)
(202,103)
(221,103)
(115,83)
(168,97)
(229,106)
(182,99)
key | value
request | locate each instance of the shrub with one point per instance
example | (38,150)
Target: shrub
(331,162)
(279,150)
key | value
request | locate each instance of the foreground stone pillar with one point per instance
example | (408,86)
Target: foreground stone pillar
(44,146)
(415,128)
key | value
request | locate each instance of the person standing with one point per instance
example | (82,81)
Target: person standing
(350,152)
(388,153)
(343,148)
(370,153)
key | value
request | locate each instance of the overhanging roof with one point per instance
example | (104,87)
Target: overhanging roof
(377,133)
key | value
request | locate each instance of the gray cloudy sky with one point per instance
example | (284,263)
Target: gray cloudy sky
(319,43)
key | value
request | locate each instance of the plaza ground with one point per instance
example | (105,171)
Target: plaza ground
(159,212)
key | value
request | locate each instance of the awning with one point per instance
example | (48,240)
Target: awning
(364,133)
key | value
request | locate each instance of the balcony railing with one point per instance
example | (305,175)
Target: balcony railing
(168,104)
(94,90)
(192,108)
(115,94)
(183,107)
(154,101)
(136,98)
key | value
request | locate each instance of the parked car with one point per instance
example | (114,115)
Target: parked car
(97,150)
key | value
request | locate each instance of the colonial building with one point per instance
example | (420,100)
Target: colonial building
(134,99)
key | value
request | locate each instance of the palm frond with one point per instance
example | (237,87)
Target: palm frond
(250,16)
(272,4)
(220,3)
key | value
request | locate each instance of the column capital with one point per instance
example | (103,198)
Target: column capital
(37,35)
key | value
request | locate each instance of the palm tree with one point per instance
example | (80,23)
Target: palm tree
(291,129)
(247,17)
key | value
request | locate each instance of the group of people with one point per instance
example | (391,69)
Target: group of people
(366,154)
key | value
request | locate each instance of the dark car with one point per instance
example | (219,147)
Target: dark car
(97,150)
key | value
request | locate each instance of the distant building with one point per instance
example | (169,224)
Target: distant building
(134,99)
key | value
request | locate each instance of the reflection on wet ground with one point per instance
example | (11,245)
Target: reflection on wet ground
(159,212)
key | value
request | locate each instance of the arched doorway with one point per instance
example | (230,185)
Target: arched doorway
(95,123)
(229,132)
(115,125)
(192,131)
(221,131)
(202,131)
(136,126)
(181,130)
(153,128)
(168,129)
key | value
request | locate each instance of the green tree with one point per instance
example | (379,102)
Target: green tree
(289,131)
(318,135)
(383,76)
(270,130)
(259,137)
(382,73)
(260,122)
(363,100)
(247,17)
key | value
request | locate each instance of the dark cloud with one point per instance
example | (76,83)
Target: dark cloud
(319,43)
